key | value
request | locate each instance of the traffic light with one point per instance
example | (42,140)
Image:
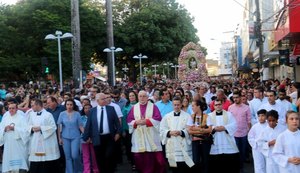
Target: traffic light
(46,70)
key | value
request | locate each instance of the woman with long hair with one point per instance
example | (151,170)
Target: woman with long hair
(69,128)
(185,105)
(132,100)
(201,136)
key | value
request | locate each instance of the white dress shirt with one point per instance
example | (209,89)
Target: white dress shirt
(105,120)
(254,104)
(277,107)
(117,109)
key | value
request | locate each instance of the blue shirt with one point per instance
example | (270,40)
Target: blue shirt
(56,111)
(70,124)
(164,108)
(122,102)
(84,119)
(2,94)
(125,112)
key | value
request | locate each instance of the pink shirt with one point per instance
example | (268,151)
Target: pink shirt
(242,115)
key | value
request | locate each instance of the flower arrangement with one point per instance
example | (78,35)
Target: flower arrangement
(192,63)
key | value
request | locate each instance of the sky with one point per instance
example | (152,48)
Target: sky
(214,20)
(8,1)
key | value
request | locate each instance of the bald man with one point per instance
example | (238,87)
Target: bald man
(103,129)
(143,120)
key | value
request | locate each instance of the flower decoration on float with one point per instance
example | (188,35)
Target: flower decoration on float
(192,62)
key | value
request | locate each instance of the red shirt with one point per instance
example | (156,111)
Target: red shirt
(225,105)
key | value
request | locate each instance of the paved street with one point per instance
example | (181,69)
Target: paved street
(125,168)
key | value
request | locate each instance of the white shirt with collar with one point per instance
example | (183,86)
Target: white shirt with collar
(117,109)
(94,102)
(254,105)
(208,96)
(293,96)
(105,120)
(277,107)
(285,104)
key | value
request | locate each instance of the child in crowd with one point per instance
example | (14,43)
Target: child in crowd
(286,152)
(88,154)
(255,131)
(267,140)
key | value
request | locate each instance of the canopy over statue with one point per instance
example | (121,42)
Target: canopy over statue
(192,63)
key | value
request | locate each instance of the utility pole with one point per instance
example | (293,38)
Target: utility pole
(260,40)
(110,41)
(76,59)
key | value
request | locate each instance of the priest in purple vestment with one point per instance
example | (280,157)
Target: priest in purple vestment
(143,120)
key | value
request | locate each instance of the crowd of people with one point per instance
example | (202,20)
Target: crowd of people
(183,127)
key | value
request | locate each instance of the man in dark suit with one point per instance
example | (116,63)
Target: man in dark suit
(103,129)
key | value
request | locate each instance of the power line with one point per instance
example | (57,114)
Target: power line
(243,6)
(290,4)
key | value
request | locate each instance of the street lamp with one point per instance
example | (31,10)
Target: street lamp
(155,66)
(145,71)
(58,35)
(113,50)
(125,69)
(175,67)
(140,56)
(168,64)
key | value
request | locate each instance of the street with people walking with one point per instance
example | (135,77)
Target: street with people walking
(149,86)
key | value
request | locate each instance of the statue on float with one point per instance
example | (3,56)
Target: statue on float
(192,64)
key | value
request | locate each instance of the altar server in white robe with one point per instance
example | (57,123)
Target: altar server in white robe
(286,152)
(175,137)
(43,146)
(224,154)
(258,158)
(14,137)
(267,140)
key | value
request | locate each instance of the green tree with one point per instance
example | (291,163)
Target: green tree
(24,27)
(156,28)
